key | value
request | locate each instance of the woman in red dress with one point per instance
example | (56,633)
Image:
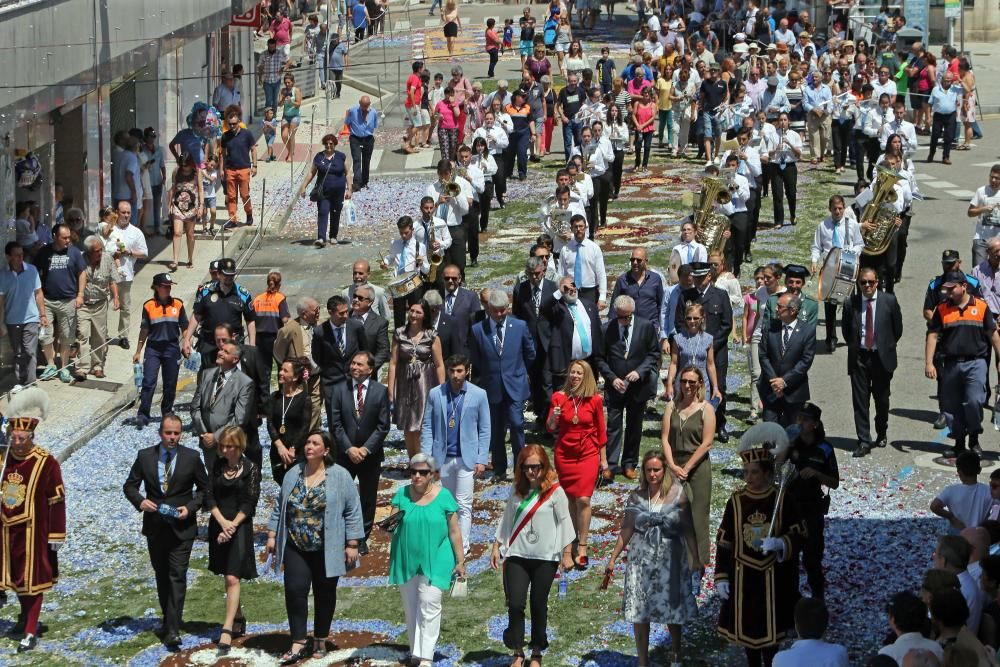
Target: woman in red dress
(576,416)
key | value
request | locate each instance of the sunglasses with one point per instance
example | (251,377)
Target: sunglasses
(531,467)
(683,381)
(419,473)
(867,282)
(452,278)
(359,298)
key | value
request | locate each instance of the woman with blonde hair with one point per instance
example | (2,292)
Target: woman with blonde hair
(662,553)
(686,436)
(231,499)
(534,537)
(452,23)
(576,417)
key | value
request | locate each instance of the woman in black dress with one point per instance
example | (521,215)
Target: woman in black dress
(231,498)
(289,417)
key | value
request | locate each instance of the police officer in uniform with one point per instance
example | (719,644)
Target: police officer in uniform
(936,294)
(222,302)
(815,466)
(164,322)
(962,329)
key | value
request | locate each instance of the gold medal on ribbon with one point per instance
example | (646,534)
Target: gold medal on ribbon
(576,420)
(451,423)
(281,429)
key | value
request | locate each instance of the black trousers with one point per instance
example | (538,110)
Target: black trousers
(884,265)
(814,545)
(830,315)
(623,443)
(500,178)
(616,171)
(494,57)
(485,203)
(942,129)
(589,293)
(739,241)
(456,253)
(872,151)
(305,570)
(721,371)
(170,556)
(779,410)
(540,390)
(783,184)
(858,143)
(901,241)
(265,346)
(471,223)
(361,159)
(761,657)
(520,574)
(753,206)
(870,380)
(602,193)
(842,133)
(367,473)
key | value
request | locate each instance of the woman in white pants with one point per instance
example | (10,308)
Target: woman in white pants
(426,553)
(682,98)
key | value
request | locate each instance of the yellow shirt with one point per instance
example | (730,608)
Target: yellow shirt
(664,88)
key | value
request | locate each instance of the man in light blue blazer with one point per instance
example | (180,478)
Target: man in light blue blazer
(502,350)
(456,432)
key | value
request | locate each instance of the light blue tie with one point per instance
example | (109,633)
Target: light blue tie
(690,252)
(580,329)
(836,235)
(402,260)
(578,267)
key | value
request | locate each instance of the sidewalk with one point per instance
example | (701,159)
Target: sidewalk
(79,410)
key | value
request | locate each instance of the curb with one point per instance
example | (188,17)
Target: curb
(128,394)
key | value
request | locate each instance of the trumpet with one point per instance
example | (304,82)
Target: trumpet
(451,188)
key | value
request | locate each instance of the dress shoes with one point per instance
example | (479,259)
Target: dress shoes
(172,641)
(722,437)
(608,475)
(29,643)
(863,449)
(363,548)
(940,422)
(630,473)
(831,345)
(881,441)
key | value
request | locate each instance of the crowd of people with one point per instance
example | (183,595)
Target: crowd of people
(465,372)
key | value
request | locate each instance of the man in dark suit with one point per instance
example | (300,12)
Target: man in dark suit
(173,476)
(441,323)
(376,326)
(333,346)
(872,325)
(224,397)
(502,349)
(787,349)
(460,305)
(251,365)
(360,410)
(631,352)
(533,298)
(575,333)
(718,322)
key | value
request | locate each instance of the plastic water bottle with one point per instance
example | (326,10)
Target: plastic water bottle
(168,511)
(563,585)
(137,375)
(193,363)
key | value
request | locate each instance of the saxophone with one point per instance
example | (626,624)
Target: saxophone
(709,225)
(880,212)
(435,257)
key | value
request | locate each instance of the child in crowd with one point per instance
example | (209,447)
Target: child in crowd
(209,184)
(269,128)
(527,44)
(508,36)
(964,505)
(434,95)
(311,31)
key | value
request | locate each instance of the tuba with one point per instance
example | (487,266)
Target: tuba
(435,256)
(710,225)
(880,212)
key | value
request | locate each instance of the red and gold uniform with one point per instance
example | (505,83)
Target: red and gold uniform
(32,516)
(759,610)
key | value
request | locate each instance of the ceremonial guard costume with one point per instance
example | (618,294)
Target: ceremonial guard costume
(33,515)
(757,572)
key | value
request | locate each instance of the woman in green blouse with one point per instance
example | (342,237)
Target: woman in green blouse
(426,553)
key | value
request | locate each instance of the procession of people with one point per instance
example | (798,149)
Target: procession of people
(571,355)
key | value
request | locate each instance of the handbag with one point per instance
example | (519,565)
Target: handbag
(317,189)
(459,587)
(390,523)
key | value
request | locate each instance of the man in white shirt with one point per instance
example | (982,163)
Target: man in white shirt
(584,186)
(406,255)
(600,156)
(226,93)
(736,211)
(553,215)
(781,153)
(452,209)
(750,168)
(952,554)
(477,180)
(884,85)
(360,272)
(907,618)
(127,175)
(985,205)
(783,35)
(497,136)
(582,260)
(422,232)
(835,231)
(811,620)
(687,251)
(904,128)
(127,244)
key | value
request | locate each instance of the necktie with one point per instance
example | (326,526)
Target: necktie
(581,330)
(690,251)
(786,334)
(869,324)
(536,297)
(499,328)
(625,338)
(339,333)
(220,382)
(836,234)
(578,267)
(402,260)
(361,398)
(451,303)
(168,471)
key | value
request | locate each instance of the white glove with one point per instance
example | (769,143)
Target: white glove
(722,589)
(774,545)
(55,545)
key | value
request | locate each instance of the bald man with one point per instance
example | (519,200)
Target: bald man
(360,272)
(361,121)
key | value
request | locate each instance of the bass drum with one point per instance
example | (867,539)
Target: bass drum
(838,276)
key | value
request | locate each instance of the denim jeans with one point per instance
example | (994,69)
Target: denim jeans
(271,94)
(571,136)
